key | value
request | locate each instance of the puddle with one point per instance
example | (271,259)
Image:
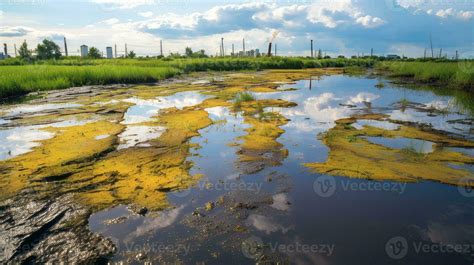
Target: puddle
(466,151)
(438,122)
(21,140)
(26,109)
(137,134)
(145,109)
(2,121)
(416,145)
(103,136)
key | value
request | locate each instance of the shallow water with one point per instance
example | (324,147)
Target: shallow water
(415,145)
(351,224)
(284,210)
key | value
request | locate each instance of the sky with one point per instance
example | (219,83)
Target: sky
(338,27)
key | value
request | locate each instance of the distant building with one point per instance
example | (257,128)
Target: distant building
(109,53)
(2,56)
(84,50)
(392,56)
(257,52)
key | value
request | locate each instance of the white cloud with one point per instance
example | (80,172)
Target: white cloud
(445,13)
(111,21)
(369,21)
(450,12)
(465,15)
(14,31)
(1,13)
(146,14)
(122,4)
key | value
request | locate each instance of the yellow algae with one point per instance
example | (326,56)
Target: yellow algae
(259,147)
(263,89)
(63,154)
(353,156)
(143,176)
(182,125)
(214,102)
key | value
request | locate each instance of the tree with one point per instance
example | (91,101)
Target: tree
(189,52)
(94,53)
(132,54)
(24,52)
(48,50)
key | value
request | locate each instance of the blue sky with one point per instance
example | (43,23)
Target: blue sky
(337,26)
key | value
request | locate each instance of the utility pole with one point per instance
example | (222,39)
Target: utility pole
(312,55)
(222,47)
(126,53)
(14,45)
(65,46)
(161,48)
(115,50)
(431,44)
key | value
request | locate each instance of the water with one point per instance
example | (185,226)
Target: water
(283,211)
(416,145)
(353,223)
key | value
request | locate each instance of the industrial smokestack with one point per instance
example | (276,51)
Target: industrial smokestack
(5,50)
(65,46)
(269,49)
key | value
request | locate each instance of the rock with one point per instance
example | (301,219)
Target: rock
(49,231)
(198,214)
(140,256)
(137,209)
(117,220)
(209,206)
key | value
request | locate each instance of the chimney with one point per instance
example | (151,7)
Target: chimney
(269,49)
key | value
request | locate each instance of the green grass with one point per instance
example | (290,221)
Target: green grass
(451,74)
(19,77)
(20,80)
(242,97)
